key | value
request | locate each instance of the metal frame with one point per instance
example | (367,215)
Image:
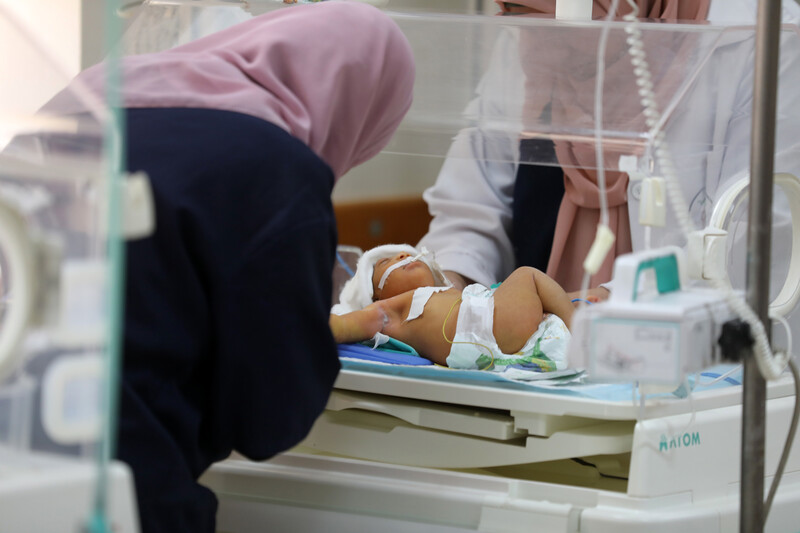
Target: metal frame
(759,236)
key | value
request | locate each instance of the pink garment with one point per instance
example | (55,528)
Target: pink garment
(579,213)
(336,75)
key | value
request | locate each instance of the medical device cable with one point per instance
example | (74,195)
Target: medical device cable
(344,264)
(604,237)
(584,290)
(770,365)
(787,447)
(444,334)
(795,416)
(584,462)
(787,328)
(690,399)
(598,114)
(642,401)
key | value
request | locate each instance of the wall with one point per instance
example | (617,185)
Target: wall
(387,175)
(70,31)
(381,201)
(73,32)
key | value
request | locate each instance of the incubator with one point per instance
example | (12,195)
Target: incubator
(410,448)
(59,278)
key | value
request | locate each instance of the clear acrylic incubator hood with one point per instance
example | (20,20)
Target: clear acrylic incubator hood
(401,450)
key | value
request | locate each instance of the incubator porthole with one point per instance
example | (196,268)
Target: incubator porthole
(16,287)
(730,214)
(5,286)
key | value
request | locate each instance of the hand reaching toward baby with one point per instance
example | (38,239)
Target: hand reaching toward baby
(358,325)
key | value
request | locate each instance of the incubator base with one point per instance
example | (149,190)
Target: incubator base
(54,494)
(677,467)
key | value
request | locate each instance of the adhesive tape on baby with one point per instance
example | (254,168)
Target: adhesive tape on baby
(394,267)
(790,293)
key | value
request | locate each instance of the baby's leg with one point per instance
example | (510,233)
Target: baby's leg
(518,310)
(520,303)
(554,299)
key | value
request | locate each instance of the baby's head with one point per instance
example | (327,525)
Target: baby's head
(399,273)
(388,270)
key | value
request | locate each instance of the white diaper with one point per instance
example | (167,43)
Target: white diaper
(474,345)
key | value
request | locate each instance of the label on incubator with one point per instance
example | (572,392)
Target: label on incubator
(635,349)
(82,306)
(72,405)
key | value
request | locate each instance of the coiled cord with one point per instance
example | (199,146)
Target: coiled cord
(771,365)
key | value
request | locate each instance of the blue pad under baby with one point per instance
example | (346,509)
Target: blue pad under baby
(393,352)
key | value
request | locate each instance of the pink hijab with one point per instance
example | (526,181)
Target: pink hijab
(336,75)
(579,213)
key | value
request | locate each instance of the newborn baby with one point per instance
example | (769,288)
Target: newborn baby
(401,292)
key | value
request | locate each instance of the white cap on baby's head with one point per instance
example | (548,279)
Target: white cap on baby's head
(357,292)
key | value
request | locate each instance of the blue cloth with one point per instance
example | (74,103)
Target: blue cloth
(226,337)
(444,374)
(382,355)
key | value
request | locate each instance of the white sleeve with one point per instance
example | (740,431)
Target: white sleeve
(471,201)
(471,208)
(733,12)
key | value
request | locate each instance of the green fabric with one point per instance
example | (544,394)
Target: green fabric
(395,346)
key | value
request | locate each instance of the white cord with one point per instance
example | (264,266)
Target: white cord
(598,113)
(690,399)
(585,287)
(785,323)
(604,237)
(787,447)
(770,365)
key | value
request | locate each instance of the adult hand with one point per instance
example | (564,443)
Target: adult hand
(458,281)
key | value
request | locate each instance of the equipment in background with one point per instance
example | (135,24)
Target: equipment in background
(652,329)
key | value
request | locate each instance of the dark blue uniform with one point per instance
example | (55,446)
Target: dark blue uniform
(226,337)
(538,191)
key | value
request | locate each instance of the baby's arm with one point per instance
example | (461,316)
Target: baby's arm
(381,316)
(357,325)
(598,294)
(388,316)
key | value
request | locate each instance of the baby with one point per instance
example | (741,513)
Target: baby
(402,293)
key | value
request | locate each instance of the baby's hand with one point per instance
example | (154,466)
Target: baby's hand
(358,325)
(373,319)
(598,294)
